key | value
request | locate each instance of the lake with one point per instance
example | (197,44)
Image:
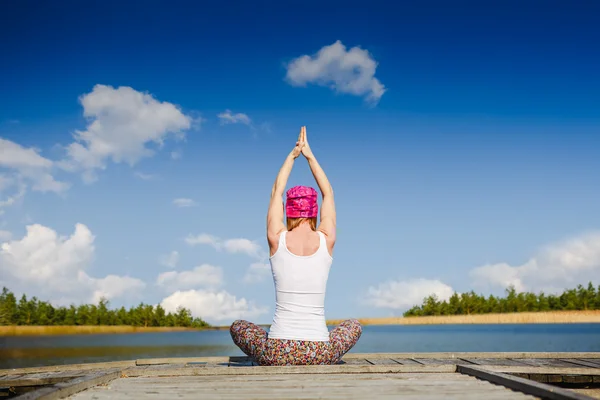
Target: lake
(17,352)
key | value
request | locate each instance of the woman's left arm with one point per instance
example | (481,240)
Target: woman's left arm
(275,214)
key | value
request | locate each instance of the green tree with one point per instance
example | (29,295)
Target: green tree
(122,317)
(543,302)
(183,317)
(102,311)
(70,316)
(45,313)
(8,308)
(159,316)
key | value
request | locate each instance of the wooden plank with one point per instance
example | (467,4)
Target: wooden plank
(39,379)
(11,377)
(591,360)
(543,370)
(513,355)
(523,385)
(443,355)
(277,370)
(495,361)
(311,377)
(406,361)
(579,362)
(65,389)
(303,379)
(70,367)
(383,361)
(357,361)
(442,361)
(179,360)
(549,362)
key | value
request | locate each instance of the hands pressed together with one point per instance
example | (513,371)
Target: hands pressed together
(302,146)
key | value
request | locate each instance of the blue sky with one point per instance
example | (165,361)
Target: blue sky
(140,142)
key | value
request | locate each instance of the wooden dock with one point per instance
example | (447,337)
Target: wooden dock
(359,376)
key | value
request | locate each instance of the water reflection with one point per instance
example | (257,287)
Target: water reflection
(28,357)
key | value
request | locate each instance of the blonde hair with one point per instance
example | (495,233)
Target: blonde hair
(295,222)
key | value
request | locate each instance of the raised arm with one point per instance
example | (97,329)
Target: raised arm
(328,218)
(275,214)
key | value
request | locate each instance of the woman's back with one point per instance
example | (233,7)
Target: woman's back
(300,286)
(302,242)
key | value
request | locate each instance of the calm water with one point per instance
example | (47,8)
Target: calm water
(36,351)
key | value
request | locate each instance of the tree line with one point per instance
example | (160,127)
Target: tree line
(580,298)
(36,312)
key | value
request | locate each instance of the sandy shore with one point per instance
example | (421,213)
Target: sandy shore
(551,317)
(13,330)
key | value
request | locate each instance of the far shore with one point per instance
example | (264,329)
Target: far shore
(43,330)
(551,317)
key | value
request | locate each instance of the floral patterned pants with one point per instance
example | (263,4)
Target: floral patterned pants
(254,342)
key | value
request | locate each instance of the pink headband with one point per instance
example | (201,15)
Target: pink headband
(301,202)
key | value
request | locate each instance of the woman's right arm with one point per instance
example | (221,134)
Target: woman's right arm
(328,216)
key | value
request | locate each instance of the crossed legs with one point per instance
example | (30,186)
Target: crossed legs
(254,342)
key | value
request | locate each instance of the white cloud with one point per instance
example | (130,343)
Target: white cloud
(555,267)
(175,155)
(212,306)
(203,238)
(111,286)
(227,117)
(400,295)
(238,245)
(122,123)
(170,260)
(53,267)
(345,71)
(25,168)
(257,272)
(16,156)
(245,246)
(204,275)
(183,202)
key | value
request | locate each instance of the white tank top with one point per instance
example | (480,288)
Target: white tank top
(300,283)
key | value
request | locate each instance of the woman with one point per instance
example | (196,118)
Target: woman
(301,256)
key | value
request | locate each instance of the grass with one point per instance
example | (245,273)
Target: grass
(550,317)
(23,330)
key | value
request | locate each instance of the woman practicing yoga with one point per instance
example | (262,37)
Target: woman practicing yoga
(301,257)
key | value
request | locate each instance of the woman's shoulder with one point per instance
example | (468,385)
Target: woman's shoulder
(274,241)
(329,241)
